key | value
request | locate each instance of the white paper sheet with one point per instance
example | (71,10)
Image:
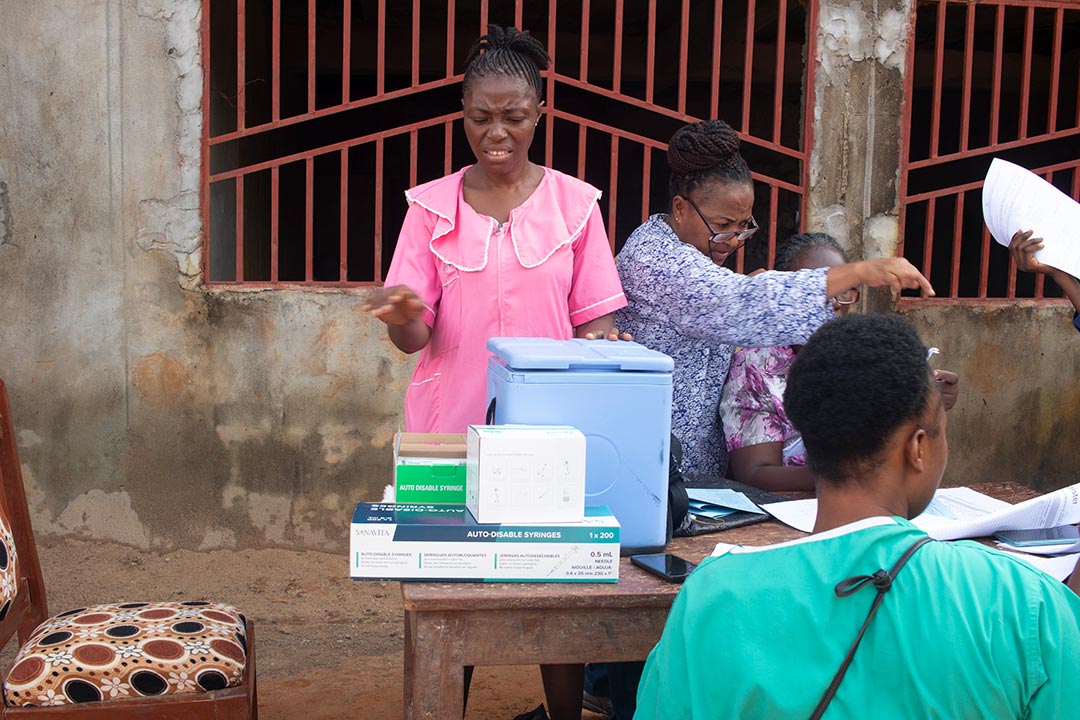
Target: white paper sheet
(957,513)
(1060,507)
(1059,567)
(1018,199)
(799,514)
(948,505)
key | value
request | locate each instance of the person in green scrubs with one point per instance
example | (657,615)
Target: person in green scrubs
(964,631)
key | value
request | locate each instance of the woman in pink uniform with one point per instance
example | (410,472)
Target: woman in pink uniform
(501,248)
(504,247)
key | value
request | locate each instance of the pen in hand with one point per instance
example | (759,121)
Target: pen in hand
(948,382)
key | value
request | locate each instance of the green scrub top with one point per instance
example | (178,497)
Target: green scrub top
(965,632)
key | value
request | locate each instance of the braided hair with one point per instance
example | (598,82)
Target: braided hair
(702,153)
(798,244)
(507,51)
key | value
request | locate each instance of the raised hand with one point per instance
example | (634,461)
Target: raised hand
(1023,248)
(397,305)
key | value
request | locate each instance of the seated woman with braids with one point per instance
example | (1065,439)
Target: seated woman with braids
(764,449)
(683,302)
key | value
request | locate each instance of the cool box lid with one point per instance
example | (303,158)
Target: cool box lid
(593,355)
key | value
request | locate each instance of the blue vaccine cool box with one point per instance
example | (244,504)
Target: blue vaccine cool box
(618,394)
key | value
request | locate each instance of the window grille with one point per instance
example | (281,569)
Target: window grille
(996,78)
(320,113)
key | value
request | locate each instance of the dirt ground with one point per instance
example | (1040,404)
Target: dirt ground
(326,647)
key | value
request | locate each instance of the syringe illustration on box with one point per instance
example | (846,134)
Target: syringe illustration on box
(526,473)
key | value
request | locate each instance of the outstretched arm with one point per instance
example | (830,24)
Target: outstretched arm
(1074,579)
(763,467)
(892,272)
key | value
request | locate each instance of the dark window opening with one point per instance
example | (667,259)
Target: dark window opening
(310,154)
(1022,106)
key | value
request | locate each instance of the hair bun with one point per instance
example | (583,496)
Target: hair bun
(498,37)
(511,39)
(701,146)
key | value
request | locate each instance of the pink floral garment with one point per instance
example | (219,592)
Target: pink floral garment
(752,403)
(545,271)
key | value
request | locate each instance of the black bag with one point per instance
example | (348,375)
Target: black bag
(681,523)
(678,502)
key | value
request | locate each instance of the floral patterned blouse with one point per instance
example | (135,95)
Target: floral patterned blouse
(684,305)
(752,403)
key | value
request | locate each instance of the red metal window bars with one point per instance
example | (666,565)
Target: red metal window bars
(319,113)
(994,78)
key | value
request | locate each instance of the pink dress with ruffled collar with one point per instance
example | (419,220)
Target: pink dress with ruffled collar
(545,271)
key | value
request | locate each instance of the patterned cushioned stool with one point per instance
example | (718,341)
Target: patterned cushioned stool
(135,649)
(191,660)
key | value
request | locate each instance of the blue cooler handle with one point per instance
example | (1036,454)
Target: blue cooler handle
(489,419)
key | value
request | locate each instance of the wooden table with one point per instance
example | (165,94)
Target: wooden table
(451,625)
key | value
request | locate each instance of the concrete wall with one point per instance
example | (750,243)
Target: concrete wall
(1018,416)
(155,413)
(148,411)
(858,96)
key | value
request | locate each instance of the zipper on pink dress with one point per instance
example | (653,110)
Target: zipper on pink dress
(498,245)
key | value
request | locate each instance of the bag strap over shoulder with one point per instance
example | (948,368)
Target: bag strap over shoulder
(881,580)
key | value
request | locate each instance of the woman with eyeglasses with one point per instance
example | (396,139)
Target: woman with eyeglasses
(682,302)
(764,448)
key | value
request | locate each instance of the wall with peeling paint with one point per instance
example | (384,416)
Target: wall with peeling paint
(858,96)
(1018,416)
(154,413)
(148,411)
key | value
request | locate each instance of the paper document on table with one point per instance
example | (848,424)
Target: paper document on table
(1060,507)
(950,505)
(1018,199)
(710,511)
(1059,567)
(960,503)
(722,497)
(799,514)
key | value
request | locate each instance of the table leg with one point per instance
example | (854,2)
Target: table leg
(434,672)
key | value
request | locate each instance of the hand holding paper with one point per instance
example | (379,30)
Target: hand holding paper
(1015,201)
(1024,247)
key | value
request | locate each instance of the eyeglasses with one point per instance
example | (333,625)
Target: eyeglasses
(718,238)
(847,298)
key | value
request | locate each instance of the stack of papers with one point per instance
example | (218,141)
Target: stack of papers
(716,503)
(957,513)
